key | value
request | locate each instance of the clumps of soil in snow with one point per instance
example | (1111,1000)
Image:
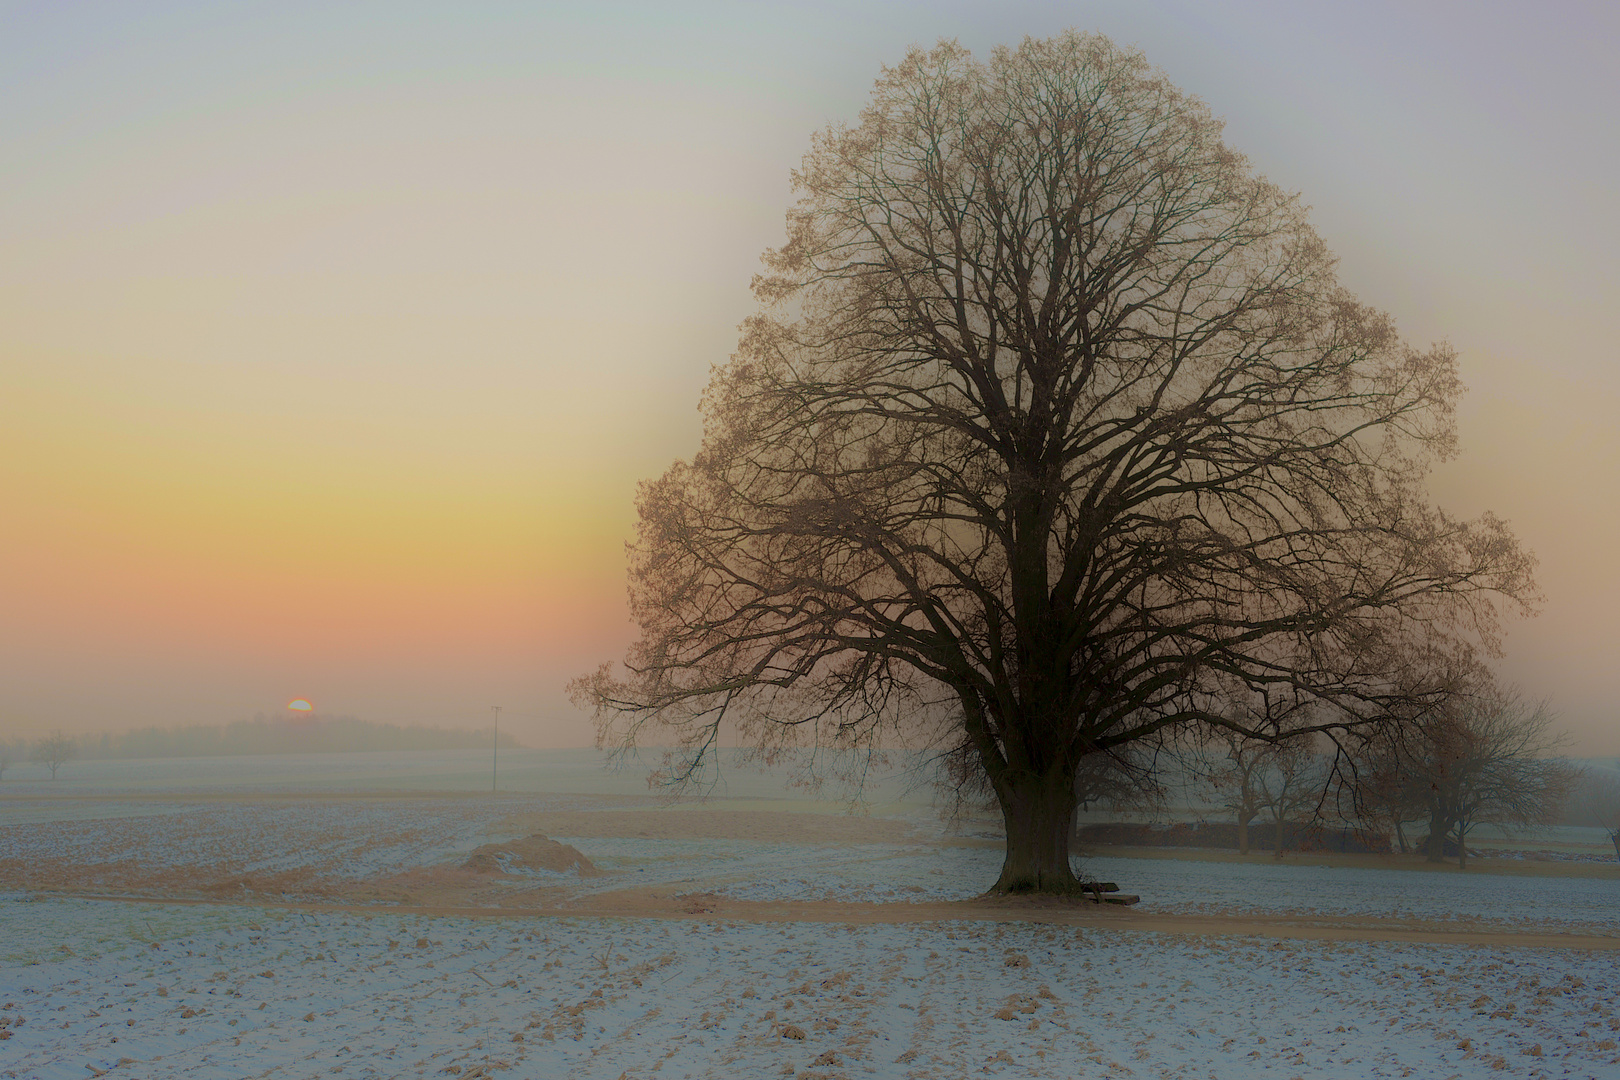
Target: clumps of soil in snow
(530,854)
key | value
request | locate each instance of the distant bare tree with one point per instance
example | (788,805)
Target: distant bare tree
(1377,793)
(55,750)
(1486,758)
(1054,430)
(1127,778)
(1233,780)
(1285,780)
(1597,802)
(8,754)
(1292,787)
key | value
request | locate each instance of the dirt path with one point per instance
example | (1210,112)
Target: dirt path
(703,907)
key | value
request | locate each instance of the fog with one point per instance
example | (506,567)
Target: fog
(261,736)
(345,347)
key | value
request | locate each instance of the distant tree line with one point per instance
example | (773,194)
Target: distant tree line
(1484,756)
(261,735)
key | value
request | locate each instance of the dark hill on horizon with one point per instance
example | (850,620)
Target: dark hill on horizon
(267,735)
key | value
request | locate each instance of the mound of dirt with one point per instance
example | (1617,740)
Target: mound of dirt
(531,853)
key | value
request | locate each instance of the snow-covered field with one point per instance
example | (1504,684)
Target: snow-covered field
(260,987)
(216,991)
(300,850)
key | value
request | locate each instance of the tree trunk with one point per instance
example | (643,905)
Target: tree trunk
(1243,835)
(1462,846)
(1437,837)
(1614,838)
(1038,812)
(1400,837)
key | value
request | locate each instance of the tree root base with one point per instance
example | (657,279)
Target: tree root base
(1095,892)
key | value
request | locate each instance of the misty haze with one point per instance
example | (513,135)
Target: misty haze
(1115,583)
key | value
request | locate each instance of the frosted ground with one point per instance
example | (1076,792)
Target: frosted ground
(760,935)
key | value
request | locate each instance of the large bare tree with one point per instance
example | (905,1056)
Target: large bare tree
(1053,434)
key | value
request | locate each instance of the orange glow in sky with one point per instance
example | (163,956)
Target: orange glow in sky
(337,337)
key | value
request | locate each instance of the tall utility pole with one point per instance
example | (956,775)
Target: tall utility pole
(495,751)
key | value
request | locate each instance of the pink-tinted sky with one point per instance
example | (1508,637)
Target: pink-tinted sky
(336,337)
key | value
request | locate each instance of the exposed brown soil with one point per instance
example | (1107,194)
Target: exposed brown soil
(706,907)
(534,852)
(705,823)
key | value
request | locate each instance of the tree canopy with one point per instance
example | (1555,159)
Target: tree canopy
(1054,433)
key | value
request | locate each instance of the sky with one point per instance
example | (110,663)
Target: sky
(334,339)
